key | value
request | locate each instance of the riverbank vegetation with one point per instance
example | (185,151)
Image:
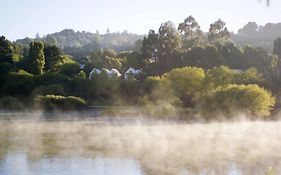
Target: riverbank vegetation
(181,67)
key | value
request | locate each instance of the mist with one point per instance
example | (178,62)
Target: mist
(161,147)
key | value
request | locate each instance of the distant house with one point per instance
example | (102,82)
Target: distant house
(111,74)
(114,73)
(131,73)
(94,71)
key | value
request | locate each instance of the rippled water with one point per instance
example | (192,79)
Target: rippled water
(107,147)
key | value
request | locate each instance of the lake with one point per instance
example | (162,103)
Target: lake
(113,146)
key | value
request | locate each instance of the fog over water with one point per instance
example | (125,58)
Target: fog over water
(241,147)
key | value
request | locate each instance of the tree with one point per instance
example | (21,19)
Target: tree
(36,58)
(239,98)
(249,29)
(218,32)
(6,50)
(190,32)
(70,69)
(149,48)
(51,40)
(255,57)
(106,58)
(52,57)
(219,77)
(213,57)
(169,39)
(186,83)
(233,55)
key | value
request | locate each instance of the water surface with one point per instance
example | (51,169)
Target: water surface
(114,147)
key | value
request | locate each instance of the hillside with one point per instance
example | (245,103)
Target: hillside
(258,36)
(80,44)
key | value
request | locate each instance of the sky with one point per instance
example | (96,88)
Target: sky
(21,18)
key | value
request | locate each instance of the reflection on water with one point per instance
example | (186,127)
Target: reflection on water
(18,164)
(109,147)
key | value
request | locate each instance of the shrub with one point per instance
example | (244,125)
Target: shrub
(52,102)
(19,83)
(186,83)
(70,69)
(239,98)
(54,89)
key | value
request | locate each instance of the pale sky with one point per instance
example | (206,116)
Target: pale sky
(21,18)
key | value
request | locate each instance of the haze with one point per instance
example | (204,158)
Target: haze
(28,17)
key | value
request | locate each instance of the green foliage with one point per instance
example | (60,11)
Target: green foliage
(53,89)
(50,79)
(70,69)
(152,83)
(219,77)
(255,57)
(130,91)
(239,98)
(52,57)
(81,75)
(19,83)
(250,76)
(57,102)
(5,68)
(36,60)
(186,80)
(105,59)
(7,53)
(187,84)
(232,55)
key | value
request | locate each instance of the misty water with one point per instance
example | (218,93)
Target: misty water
(113,146)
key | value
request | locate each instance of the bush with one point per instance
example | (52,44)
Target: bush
(70,69)
(186,83)
(239,98)
(19,83)
(49,89)
(53,102)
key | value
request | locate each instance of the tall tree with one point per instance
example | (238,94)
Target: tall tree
(6,50)
(169,38)
(190,32)
(218,32)
(150,47)
(52,57)
(36,58)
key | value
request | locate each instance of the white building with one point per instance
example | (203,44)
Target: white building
(111,74)
(114,73)
(94,71)
(131,73)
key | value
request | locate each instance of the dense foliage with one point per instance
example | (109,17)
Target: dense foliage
(179,68)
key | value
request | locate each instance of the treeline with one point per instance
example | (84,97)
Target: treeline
(258,36)
(81,44)
(182,67)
